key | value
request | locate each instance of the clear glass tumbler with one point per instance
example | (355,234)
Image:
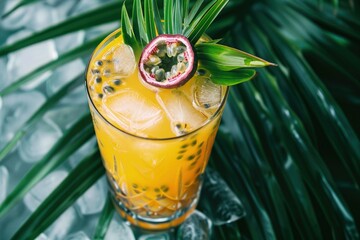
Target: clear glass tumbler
(155,182)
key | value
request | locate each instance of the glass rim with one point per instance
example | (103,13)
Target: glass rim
(208,121)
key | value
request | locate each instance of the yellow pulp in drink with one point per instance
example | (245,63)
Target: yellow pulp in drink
(155,143)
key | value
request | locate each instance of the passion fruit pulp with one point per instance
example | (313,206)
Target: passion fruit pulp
(168,61)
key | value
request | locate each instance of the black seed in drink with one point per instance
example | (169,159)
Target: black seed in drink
(98,79)
(179,157)
(95,71)
(185,146)
(108,89)
(99,63)
(182,151)
(191,157)
(164,188)
(156,190)
(193,143)
(100,95)
(207,105)
(199,152)
(135,185)
(200,145)
(117,82)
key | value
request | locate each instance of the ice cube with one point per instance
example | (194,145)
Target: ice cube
(225,207)
(16,110)
(132,110)
(54,2)
(63,225)
(207,95)
(64,74)
(18,18)
(4,181)
(93,200)
(43,189)
(43,17)
(196,227)
(155,236)
(95,31)
(76,96)
(65,116)
(123,61)
(12,220)
(84,6)
(19,35)
(119,230)
(39,141)
(82,152)
(42,237)
(69,41)
(26,60)
(4,75)
(77,236)
(179,109)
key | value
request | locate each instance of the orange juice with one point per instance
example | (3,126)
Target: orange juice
(155,143)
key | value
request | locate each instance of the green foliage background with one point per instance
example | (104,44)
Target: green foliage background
(288,145)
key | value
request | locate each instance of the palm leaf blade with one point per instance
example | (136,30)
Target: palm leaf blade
(149,18)
(138,23)
(105,219)
(168,16)
(128,32)
(199,25)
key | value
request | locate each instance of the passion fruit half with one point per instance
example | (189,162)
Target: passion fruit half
(168,61)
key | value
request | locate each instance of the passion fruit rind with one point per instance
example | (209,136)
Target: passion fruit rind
(168,61)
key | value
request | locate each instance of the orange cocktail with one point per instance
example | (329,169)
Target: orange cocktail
(155,143)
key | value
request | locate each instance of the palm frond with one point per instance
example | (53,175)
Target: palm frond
(104,220)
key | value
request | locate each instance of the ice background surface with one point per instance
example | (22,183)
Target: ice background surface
(79,221)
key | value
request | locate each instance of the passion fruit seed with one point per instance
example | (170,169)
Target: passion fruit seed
(117,82)
(168,61)
(108,89)
(98,79)
(99,63)
(95,71)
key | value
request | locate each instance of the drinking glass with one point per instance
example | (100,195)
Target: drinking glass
(155,182)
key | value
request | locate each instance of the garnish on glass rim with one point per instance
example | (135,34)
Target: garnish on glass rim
(169,51)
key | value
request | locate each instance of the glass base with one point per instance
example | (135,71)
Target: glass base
(152,224)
